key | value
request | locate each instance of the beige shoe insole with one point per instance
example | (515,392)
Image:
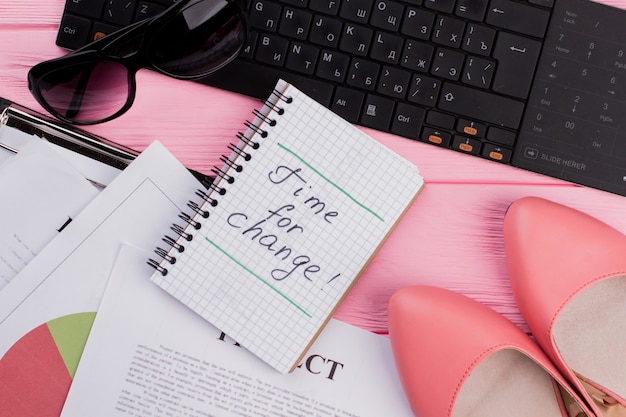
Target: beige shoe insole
(507,384)
(590,334)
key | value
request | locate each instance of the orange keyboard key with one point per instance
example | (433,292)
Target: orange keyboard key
(496,155)
(435,137)
(437,140)
(469,130)
(466,147)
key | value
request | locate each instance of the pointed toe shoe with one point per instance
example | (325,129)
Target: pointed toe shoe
(459,358)
(568,273)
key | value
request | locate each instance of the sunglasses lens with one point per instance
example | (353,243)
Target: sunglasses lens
(202,38)
(87,92)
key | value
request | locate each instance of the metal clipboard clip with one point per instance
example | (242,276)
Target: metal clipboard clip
(74,139)
(77,140)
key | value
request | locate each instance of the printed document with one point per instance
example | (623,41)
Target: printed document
(41,193)
(149,355)
(45,310)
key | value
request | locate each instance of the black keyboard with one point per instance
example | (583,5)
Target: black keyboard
(538,84)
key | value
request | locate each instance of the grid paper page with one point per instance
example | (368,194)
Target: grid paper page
(294,231)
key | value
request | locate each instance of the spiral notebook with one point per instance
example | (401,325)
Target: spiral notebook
(294,216)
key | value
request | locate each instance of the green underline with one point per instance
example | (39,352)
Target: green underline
(332,183)
(258,277)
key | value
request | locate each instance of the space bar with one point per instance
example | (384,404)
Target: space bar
(481,105)
(258,81)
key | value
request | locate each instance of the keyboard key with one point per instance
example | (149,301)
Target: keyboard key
(377,112)
(501,136)
(445,6)
(265,15)
(439,119)
(146,10)
(478,39)
(332,66)
(497,153)
(88,8)
(325,31)
(363,74)
(387,47)
(74,32)
(325,6)
(299,3)
(544,3)
(347,103)
(424,90)
(418,23)
(447,64)
(250,47)
(481,105)
(471,9)
(295,23)
(518,17)
(100,30)
(119,12)
(387,15)
(478,72)
(517,58)
(356,39)
(356,10)
(407,121)
(467,145)
(417,55)
(471,128)
(394,82)
(302,58)
(320,91)
(436,137)
(271,50)
(448,31)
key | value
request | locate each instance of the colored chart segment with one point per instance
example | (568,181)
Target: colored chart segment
(70,336)
(37,371)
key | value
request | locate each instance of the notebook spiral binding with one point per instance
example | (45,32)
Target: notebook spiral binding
(201,209)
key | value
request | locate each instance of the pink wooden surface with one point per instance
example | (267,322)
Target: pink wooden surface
(451,237)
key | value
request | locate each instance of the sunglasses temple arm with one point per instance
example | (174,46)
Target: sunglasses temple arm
(79,93)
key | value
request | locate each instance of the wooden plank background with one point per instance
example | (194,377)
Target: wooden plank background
(450,238)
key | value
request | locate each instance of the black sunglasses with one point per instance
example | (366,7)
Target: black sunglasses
(96,83)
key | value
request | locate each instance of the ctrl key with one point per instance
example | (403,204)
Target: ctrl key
(407,121)
(73,32)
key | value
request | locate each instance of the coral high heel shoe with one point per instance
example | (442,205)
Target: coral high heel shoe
(568,272)
(458,358)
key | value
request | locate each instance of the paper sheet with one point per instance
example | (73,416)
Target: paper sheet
(287,239)
(149,355)
(95,171)
(45,311)
(41,193)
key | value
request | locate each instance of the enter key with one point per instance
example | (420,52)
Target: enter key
(517,59)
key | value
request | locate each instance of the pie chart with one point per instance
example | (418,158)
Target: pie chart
(36,372)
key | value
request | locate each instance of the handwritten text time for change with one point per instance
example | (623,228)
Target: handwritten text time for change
(283,226)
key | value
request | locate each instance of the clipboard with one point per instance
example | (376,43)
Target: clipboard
(71,138)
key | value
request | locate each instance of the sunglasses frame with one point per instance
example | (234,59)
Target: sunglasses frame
(128,47)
